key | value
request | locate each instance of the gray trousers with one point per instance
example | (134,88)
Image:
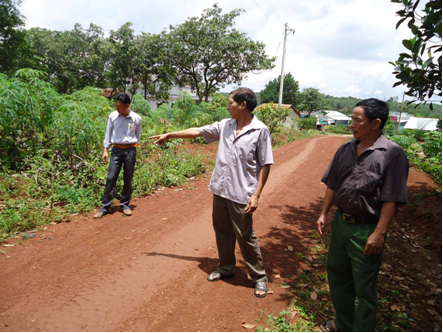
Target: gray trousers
(230,224)
(119,157)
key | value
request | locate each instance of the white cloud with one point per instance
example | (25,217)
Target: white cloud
(341,47)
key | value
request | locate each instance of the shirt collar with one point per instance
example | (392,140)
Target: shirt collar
(129,115)
(380,143)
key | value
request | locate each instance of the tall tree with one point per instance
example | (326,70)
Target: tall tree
(124,59)
(154,77)
(207,50)
(421,75)
(290,91)
(72,59)
(12,39)
(312,100)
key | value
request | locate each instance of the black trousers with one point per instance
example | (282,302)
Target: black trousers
(119,157)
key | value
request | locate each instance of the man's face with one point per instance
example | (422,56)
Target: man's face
(234,108)
(361,126)
(121,107)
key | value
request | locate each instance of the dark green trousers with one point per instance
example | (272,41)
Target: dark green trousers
(232,224)
(352,275)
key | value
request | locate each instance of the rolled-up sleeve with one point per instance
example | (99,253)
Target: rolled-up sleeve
(264,148)
(212,132)
(109,127)
(395,178)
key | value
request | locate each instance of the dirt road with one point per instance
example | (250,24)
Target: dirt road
(148,272)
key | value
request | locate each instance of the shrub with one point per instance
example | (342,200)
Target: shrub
(339,129)
(272,116)
(307,123)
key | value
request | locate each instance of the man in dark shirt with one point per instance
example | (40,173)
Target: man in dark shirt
(366,181)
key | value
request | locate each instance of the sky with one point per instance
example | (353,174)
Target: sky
(341,47)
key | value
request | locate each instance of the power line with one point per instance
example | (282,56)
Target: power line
(261,10)
(275,10)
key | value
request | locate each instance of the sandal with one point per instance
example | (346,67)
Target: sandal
(216,276)
(261,286)
(331,326)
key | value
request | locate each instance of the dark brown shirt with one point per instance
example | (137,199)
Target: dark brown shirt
(362,184)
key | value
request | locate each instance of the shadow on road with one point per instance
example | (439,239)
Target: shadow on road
(209,265)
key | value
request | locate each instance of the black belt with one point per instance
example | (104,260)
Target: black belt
(358,219)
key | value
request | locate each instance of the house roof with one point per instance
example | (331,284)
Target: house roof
(335,115)
(284,106)
(427,124)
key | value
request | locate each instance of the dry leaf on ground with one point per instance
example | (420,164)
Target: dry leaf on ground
(314,296)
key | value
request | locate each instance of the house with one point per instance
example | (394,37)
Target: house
(427,124)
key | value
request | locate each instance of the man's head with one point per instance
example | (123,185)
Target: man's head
(369,117)
(122,102)
(241,99)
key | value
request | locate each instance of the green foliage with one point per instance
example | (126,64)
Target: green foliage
(312,100)
(432,146)
(421,75)
(389,127)
(140,105)
(417,134)
(13,42)
(339,129)
(72,59)
(207,50)
(273,116)
(290,91)
(307,123)
(404,141)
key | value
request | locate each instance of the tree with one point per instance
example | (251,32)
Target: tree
(124,56)
(207,50)
(312,100)
(12,39)
(421,75)
(72,59)
(272,90)
(154,76)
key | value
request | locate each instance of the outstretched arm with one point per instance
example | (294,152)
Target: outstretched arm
(185,134)
(327,204)
(262,178)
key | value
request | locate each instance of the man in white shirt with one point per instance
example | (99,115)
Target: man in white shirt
(244,159)
(123,132)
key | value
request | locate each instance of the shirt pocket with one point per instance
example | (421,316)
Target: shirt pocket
(368,182)
(131,129)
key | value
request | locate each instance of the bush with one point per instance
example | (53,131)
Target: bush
(307,123)
(417,134)
(272,116)
(339,129)
(140,105)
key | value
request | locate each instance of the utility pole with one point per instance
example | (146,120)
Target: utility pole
(401,110)
(282,76)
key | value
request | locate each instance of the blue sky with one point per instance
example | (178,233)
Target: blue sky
(341,47)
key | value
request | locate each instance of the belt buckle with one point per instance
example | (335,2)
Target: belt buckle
(348,218)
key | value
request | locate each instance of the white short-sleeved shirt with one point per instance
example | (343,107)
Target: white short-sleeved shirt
(123,130)
(239,159)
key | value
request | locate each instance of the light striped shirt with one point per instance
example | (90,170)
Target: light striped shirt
(123,130)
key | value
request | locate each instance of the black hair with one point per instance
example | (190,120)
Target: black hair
(374,108)
(122,97)
(241,95)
